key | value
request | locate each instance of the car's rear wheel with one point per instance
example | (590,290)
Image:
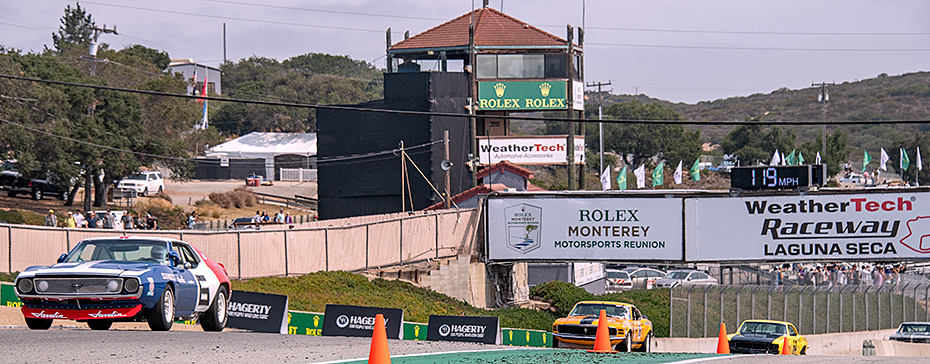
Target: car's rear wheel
(37,194)
(145,192)
(99,324)
(63,196)
(161,317)
(647,344)
(160,190)
(38,324)
(625,345)
(215,317)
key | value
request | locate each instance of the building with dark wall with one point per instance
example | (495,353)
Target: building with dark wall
(433,72)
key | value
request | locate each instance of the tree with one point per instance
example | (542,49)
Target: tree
(637,141)
(837,151)
(77,28)
(753,143)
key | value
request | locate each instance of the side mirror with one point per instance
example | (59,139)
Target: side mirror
(645,317)
(688,279)
(62,258)
(175,258)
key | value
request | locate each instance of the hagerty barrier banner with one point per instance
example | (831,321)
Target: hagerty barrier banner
(835,227)
(585,228)
(341,320)
(260,312)
(464,328)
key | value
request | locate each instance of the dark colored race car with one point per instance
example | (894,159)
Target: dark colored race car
(912,332)
(766,337)
(127,278)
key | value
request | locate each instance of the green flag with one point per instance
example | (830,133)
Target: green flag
(657,174)
(905,161)
(800,158)
(792,160)
(696,170)
(866,158)
(621,180)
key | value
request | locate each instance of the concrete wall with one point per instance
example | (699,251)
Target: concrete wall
(462,279)
(847,343)
(897,348)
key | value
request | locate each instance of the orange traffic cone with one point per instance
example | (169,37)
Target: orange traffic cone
(602,339)
(723,345)
(379,353)
(784,347)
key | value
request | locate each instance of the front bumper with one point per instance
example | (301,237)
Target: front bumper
(100,312)
(754,347)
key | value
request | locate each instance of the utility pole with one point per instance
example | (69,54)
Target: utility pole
(600,115)
(445,156)
(570,142)
(94,44)
(823,97)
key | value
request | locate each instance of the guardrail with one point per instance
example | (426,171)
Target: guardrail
(296,202)
(297,175)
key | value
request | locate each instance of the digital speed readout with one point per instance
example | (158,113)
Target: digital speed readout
(770,177)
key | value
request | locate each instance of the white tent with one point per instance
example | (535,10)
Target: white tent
(258,145)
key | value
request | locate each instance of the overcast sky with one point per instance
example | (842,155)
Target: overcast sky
(677,50)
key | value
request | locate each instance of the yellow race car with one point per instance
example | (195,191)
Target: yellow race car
(628,329)
(766,337)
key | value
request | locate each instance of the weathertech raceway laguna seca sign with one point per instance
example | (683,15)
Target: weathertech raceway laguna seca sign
(584,229)
(836,227)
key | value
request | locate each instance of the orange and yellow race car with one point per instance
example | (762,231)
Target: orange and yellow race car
(628,329)
(766,337)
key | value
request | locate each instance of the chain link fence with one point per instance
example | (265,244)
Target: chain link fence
(697,311)
(345,244)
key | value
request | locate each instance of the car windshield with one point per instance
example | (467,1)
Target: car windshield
(676,275)
(764,328)
(121,250)
(912,328)
(594,309)
(616,274)
(136,177)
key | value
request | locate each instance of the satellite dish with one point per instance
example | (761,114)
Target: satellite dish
(445,165)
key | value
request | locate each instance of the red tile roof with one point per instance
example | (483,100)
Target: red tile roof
(520,171)
(469,193)
(492,28)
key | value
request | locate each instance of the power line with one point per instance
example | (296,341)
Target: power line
(389,16)
(428,113)
(743,32)
(760,48)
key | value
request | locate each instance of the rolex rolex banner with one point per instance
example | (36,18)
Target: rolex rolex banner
(836,227)
(584,228)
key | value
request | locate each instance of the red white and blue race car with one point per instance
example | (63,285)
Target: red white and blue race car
(127,278)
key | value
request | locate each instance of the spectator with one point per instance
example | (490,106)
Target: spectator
(288,219)
(151,222)
(777,276)
(92,220)
(51,219)
(265,217)
(279,217)
(257,218)
(126,220)
(192,219)
(69,222)
(109,220)
(78,219)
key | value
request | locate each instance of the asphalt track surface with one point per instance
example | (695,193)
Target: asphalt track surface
(77,345)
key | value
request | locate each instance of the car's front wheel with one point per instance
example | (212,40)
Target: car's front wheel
(38,324)
(625,345)
(647,344)
(215,317)
(11,194)
(99,324)
(161,317)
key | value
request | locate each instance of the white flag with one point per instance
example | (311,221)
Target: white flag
(784,161)
(776,159)
(817,160)
(640,174)
(920,166)
(605,178)
(883,160)
(678,174)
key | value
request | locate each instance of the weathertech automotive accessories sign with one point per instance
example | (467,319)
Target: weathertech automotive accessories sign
(528,150)
(585,228)
(863,226)
(260,312)
(463,328)
(341,320)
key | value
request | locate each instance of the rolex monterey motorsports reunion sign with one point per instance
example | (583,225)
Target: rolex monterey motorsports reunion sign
(585,228)
(848,226)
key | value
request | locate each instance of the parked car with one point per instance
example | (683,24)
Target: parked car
(37,188)
(628,329)
(644,278)
(617,281)
(143,183)
(766,337)
(126,278)
(7,178)
(244,223)
(912,332)
(687,277)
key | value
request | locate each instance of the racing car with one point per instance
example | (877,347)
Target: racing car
(127,278)
(628,329)
(766,337)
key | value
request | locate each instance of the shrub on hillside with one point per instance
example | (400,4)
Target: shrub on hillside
(238,198)
(563,295)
